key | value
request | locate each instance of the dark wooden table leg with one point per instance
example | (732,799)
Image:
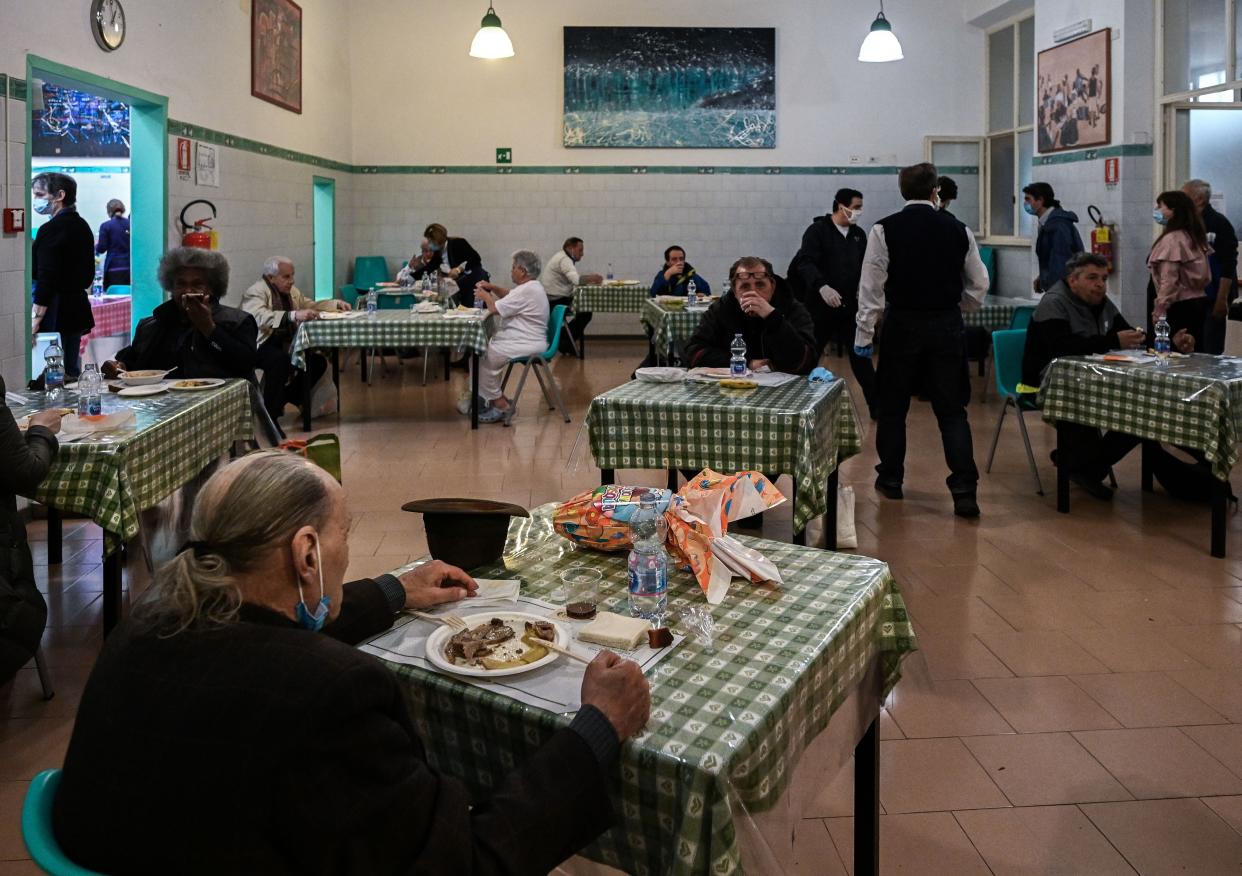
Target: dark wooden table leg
(672,479)
(830,516)
(474,390)
(799,536)
(1220,508)
(307,389)
(1062,470)
(867,802)
(362,363)
(607,476)
(336,376)
(1148,452)
(111,590)
(55,537)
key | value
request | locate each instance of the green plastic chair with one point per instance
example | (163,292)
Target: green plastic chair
(988,256)
(369,270)
(37,828)
(1007,349)
(1021,316)
(539,364)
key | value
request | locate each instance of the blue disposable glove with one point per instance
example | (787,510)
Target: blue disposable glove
(821,375)
(864,352)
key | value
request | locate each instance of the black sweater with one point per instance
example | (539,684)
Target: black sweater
(1064,325)
(62,265)
(167,338)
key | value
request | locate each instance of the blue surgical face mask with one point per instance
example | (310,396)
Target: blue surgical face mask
(1158,215)
(434,247)
(314,621)
(1030,209)
(42,206)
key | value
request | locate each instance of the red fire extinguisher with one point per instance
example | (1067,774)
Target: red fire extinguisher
(199,235)
(1102,236)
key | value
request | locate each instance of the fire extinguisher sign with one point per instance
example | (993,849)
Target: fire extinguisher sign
(184,160)
(1112,171)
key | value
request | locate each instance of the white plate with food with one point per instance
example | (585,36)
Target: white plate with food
(495,644)
(196,383)
(138,391)
(144,378)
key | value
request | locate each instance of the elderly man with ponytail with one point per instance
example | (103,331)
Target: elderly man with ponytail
(229,727)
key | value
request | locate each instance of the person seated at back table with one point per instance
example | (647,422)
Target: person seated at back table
(560,278)
(457,260)
(192,331)
(229,726)
(1076,318)
(523,311)
(777,328)
(676,273)
(278,307)
(420,265)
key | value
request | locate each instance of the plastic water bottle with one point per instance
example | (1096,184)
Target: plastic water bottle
(54,369)
(648,562)
(692,294)
(609,275)
(90,391)
(479,303)
(1163,344)
(737,361)
(372,303)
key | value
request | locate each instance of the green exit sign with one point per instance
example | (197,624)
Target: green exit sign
(504,155)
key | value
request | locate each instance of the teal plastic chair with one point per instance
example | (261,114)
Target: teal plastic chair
(369,270)
(1007,348)
(988,256)
(37,828)
(539,364)
(1021,316)
(117,289)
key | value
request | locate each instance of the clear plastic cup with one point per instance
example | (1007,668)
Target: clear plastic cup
(579,584)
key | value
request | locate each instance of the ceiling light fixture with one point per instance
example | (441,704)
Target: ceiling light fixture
(491,41)
(881,43)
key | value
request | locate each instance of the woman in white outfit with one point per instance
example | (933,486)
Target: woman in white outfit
(523,330)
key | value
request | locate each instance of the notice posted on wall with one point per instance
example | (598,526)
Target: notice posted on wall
(206,165)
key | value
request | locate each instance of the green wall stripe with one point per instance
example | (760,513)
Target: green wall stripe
(17,88)
(1124,150)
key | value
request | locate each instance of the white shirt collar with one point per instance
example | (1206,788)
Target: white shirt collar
(928,203)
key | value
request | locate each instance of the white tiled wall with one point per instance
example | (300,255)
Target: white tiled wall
(626,219)
(12,248)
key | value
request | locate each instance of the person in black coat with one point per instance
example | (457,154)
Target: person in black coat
(1223,260)
(193,331)
(62,267)
(761,308)
(825,275)
(24,463)
(229,726)
(457,260)
(114,240)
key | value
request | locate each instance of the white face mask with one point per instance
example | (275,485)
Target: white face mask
(851,216)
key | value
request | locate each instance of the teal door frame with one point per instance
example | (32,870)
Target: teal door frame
(148,123)
(323,219)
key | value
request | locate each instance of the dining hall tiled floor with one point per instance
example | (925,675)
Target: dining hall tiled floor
(1075,708)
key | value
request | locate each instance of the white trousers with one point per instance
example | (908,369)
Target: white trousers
(493,363)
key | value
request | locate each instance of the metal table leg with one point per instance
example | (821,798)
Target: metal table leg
(1149,466)
(1062,469)
(474,390)
(1220,507)
(55,537)
(867,802)
(111,590)
(607,476)
(672,479)
(830,515)
(307,390)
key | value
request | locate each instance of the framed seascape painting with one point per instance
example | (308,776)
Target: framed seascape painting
(276,52)
(1073,84)
(670,87)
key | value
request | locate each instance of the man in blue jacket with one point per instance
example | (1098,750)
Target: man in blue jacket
(1058,235)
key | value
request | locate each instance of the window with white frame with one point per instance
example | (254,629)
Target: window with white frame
(1200,46)
(1009,146)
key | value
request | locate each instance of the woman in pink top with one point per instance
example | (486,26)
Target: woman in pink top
(1179,265)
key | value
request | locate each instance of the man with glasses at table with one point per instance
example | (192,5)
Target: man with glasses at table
(920,267)
(761,308)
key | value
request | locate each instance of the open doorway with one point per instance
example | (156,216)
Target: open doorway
(324,207)
(113,140)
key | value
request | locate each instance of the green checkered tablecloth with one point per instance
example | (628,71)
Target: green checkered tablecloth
(801,429)
(996,312)
(728,721)
(391,328)
(621,298)
(112,476)
(669,326)
(1193,402)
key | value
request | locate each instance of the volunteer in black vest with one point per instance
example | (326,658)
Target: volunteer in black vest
(62,266)
(921,266)
(825,275)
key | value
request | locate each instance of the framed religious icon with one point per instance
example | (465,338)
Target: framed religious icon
(276,52)
(1072,94)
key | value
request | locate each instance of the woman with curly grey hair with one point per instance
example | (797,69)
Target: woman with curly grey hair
(192,331)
